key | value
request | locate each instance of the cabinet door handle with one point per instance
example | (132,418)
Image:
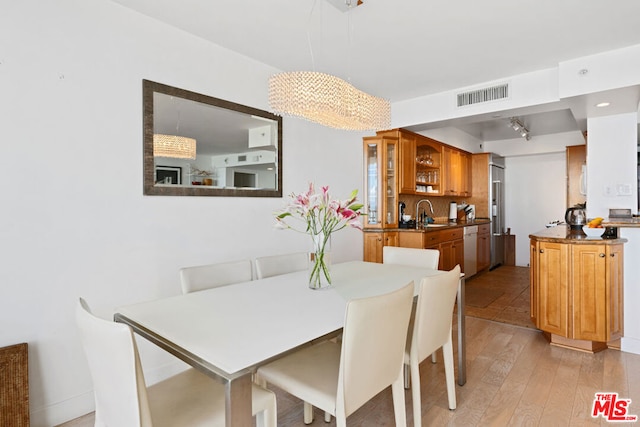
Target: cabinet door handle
(601,255)
(541,251)
(613,255)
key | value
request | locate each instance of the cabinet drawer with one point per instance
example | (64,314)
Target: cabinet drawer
(484,229)
(451,234)
(431,238)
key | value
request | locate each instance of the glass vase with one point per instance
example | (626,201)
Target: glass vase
(320,262)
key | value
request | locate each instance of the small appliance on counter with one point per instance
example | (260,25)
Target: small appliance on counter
(405,220)
(576,217)
(453,211)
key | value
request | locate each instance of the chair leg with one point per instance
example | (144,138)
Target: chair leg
(308,413)
(415,394)
(433,357)
(268,417)
(398,402)
(327,417)
(447,351)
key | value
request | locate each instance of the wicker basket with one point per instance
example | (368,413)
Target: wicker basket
(14,386)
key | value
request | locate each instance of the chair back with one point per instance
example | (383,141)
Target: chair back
(118,382)
(373,345)
(202,277)
(434,313)
(410,256)
(274,265)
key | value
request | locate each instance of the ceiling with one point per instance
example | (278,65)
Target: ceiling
(405,49)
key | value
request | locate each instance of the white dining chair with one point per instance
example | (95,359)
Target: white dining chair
(431,331)
(427,258)
(273,265)
(122,398)
(339,378)
(202,277)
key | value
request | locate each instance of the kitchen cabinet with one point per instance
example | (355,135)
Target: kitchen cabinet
(420,163)
(576,291)
(484,247)
(449,242)
(381,183)
(456,172)
(375,241)
(451,248)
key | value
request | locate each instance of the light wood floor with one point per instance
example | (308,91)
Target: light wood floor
(514,377)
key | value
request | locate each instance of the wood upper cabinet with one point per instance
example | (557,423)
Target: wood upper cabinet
(380,182)
(430,167)
(576,290)
(375,241)
(456,171)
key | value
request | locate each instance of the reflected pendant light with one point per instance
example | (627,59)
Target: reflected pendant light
(174,146)
(327,100)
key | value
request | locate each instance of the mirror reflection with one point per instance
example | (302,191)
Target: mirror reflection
(197,145)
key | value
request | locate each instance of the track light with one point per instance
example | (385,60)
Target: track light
(518,126)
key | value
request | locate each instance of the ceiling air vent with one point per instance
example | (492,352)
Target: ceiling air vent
(483,95)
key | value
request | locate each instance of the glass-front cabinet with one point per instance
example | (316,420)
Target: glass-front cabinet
(428,167)
(381,182)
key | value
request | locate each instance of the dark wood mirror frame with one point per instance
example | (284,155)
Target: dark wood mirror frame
(150,187)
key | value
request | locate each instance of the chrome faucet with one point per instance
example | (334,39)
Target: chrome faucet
(418,208)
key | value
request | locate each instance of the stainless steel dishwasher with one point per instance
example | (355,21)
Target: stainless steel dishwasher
(470,250)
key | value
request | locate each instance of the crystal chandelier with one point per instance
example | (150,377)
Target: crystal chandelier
(328,100)
(174,146)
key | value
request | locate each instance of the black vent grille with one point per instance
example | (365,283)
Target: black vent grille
(483,95)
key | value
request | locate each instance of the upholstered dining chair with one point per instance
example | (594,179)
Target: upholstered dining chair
(431,331)
(274,265)
(189,398)
(202,277)
(339,378)
(428,258)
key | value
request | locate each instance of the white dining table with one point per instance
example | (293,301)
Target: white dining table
(228,332)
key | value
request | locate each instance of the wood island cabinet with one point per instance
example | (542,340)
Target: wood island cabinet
(576,290)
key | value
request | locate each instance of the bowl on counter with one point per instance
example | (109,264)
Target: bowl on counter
(593,232)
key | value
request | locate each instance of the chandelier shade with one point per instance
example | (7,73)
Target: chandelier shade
(173,146)
(327,100)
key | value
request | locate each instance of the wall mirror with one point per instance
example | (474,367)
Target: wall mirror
(198,145)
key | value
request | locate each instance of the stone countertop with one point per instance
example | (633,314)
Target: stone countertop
(622,222)
(563,234)
(439,226)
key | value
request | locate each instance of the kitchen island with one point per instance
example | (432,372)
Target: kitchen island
(577,288)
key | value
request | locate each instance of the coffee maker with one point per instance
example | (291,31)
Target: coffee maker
(402,223)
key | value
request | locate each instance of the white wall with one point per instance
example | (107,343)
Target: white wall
(534,195)
(74,221)
(611,162)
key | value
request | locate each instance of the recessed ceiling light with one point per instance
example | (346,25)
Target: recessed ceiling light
(603,104)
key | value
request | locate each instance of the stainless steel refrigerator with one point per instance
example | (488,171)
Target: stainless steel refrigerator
(496,209)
